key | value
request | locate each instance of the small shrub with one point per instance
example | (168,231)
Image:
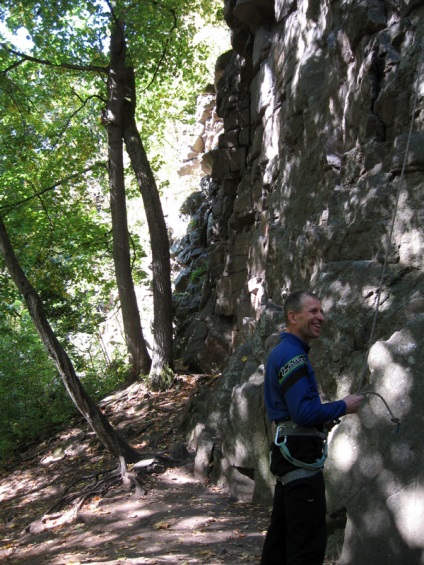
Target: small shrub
(198,274)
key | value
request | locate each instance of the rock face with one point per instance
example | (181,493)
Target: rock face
(382,468)
(317,182)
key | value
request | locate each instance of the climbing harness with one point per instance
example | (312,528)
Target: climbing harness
(296,474)
(389,239)
(289,428)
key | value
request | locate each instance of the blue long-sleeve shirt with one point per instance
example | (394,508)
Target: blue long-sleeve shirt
(291,390)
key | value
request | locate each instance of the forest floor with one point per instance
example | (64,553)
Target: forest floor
(174,519)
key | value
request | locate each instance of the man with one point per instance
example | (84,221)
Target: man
(297,532)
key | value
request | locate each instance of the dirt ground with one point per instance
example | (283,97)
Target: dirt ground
(174,519)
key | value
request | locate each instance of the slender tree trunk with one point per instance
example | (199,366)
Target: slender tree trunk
(137,349)
(111,439)
(162,358)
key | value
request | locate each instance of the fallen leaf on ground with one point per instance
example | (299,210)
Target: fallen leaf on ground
(162,525)
(206,553)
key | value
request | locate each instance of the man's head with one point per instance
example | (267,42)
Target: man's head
(304,315)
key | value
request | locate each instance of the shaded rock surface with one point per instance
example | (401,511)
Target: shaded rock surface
(322,105)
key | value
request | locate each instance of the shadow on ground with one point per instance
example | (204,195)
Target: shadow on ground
(176,518)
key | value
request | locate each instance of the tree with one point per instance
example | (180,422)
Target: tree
(162,294)
(72,36)
(114,120)
(52,95)
(112,441)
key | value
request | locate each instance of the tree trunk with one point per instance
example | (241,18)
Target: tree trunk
(137,349)
(162,357)
(111,440)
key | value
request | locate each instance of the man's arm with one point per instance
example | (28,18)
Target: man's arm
(306,408)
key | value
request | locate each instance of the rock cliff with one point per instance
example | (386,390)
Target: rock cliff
(316,181)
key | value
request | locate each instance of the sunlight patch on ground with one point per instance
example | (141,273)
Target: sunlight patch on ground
(177,476)
(193,522)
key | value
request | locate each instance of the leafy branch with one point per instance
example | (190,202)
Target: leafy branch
(83,104)
(8,207)
(165,49)
(69,66)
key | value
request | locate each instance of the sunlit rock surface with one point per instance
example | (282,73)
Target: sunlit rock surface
(322,105)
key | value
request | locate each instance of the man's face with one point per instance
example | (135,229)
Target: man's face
(307,323)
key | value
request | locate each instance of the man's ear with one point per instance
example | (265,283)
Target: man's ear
(291,316)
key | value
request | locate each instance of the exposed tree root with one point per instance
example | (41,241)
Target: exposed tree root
(67,509)
(98,484)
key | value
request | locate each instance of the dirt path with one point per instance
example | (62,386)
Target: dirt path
(176,519)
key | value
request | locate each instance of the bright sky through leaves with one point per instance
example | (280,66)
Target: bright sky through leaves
(20,39)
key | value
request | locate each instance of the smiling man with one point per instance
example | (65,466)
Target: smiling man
(297,533)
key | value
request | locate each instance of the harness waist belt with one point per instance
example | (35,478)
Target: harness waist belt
(289,428)
(296,474)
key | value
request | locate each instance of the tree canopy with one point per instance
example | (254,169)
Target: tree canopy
(53,166)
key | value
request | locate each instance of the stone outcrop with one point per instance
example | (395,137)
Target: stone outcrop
(322,105)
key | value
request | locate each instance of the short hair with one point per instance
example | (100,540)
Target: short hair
(294,302)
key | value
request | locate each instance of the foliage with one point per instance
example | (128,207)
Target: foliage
(33,400)
(197,274)
(53,179)
(163,380)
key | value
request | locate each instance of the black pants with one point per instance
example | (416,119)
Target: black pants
(297,534)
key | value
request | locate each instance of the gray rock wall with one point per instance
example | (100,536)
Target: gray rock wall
(323,146)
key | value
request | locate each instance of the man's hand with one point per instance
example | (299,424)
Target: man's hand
(353,402)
